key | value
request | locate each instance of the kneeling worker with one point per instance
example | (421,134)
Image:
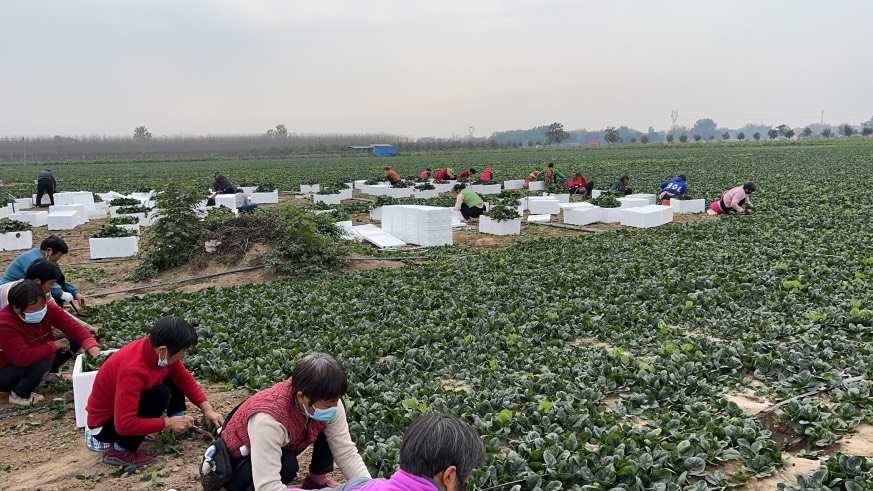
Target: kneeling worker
(734,200)
(470,204)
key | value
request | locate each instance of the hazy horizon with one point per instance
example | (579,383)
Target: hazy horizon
(428,69)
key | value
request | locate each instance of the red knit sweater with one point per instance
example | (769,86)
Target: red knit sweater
(24,344)
(121,381)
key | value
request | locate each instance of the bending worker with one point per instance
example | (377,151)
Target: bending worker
(470,204)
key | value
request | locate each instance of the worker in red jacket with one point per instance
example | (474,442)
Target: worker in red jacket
(27,343)
(581,185)
(466,173)
(137,385)
(487,175)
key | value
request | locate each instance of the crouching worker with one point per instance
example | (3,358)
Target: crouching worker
(580,185)
(29,349)
(137,385)
(470,204)
(439,452)
(267,432)
(734,200)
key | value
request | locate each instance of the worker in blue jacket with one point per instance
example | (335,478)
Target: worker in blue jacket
(674,187)
(52,248)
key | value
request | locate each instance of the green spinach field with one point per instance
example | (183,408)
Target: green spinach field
(597,362)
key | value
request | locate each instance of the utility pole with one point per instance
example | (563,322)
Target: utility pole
(822,117)
(674,114)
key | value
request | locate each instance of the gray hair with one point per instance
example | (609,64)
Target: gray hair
(436,441)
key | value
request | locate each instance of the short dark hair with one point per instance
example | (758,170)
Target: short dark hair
(436,441)
(43,270)
(24,294)
(54,243)
(320,377)
(218,172)
(682,176)
(624,178)
(472,170)
(459,187)
(173,332)
(428,170)
(750,187)
(578,174)
(387,168)
(551,164)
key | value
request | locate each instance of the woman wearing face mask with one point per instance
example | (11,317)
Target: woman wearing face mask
(28,345)
(137,385)
(265,433)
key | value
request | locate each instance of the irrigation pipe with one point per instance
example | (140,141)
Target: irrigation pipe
(571,227)
(811,393)
(22,412)
(168,283)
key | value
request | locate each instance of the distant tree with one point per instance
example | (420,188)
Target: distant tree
(645,138)
(711,137)
(867,131)
(807,131)
(789,133)
(697,137)
(725,136)
(279,132)
(757,136)
(704,127)
(826,133)
(741,136)
(772,133)
(782,129)
(611,135)
(670,137)
(683,138)
(633,139)
(846,129)
(556,134)
(141,133)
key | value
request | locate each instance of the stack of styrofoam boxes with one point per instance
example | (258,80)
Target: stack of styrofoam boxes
(310,188)
(651,199)
(647,216)
(543,205)
(486,188)
(34,218)
(92,210)
(628,202)
(265,198)
(514,184)
(583,215)
(688,205)
(421,225)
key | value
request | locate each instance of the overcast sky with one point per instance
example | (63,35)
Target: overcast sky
(429,68)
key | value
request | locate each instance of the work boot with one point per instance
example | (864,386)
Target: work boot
(22,401)
(126,457)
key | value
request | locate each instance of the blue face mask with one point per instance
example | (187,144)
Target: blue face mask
(323,414)
(35,317)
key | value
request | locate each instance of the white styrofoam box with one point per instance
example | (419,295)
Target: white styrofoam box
(5,211)
(85,198)
(628,202)
(15,241)
(114,209)
(504,227)
(647,216)
(310,188)
(143,219)
(360,183)
(561,197)
(578,204)
(688,205)
(595,193)
(426,193)
(97,214)
(63,220)
(83,382)
(375,189)
(102,206)
(346,193)
(514,184)
(539,218)
(271,197)
(543,205)
(113,247)
(226,200)
(34,218)
(537,186)
(376,214)
(329,199)
(611,215)
(486,188)
(27,203)
(583,215)
(650,198)
(143,196)
(399,192)
(420,225)
(444,187)
(130,226)
(111,195)
(80,209)
(247,190)
(377,236)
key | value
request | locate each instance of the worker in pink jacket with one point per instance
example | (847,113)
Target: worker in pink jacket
(734,200)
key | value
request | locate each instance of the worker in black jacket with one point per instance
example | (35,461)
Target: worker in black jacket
(45,183)
(222,185)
